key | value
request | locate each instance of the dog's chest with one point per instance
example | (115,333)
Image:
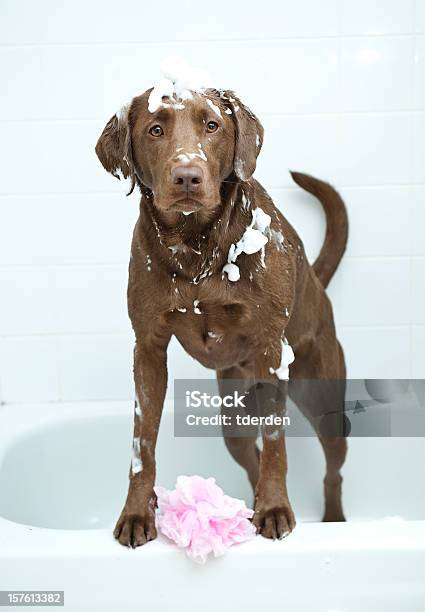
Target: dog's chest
(215,334)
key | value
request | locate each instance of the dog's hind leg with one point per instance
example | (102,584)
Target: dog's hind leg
(244,450)
(335,449)
(317,386)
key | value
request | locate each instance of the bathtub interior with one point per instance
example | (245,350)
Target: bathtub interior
(72,473)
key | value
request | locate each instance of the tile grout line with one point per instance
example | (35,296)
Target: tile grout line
(264,115)
(134,198)
(411,317)
(224,41)
(412,176)
(58,371)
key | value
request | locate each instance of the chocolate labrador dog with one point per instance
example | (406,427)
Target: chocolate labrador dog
(216,264)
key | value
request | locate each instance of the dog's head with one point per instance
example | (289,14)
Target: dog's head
(182,147)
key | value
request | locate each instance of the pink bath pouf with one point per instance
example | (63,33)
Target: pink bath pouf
(199,517)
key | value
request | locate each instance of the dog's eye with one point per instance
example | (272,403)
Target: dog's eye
(156,130)
(212,126)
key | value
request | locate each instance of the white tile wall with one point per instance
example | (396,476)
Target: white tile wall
(340,88)
(377,17)
(418,291)
(419,99)
(420,16)
(419,147)
(95,366)
(377,352)
(73,240)
(29,367)
(418,343)
(376,73)
(418,220)
(372,291)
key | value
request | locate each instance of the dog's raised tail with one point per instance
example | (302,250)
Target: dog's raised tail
(336,225)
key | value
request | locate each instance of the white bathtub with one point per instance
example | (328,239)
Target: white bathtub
(63,479)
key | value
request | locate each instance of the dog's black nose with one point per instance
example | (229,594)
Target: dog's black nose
(187,178)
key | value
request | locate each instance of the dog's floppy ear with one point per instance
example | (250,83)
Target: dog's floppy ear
(249,136)
(114,147)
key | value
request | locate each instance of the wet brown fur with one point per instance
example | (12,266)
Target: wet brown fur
(248,318)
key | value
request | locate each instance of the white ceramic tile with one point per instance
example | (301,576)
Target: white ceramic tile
(418,221)
(269,80)
(305,214)
(418,291)
(91,299)
(420,16)
(100,367)
(418,350)
(307,144)
(376,353)
(26,304)
(96,367)
(377,16)
(66,229)
(419,148)
(109,75)
(375,149)
(268,77)
(29,232)
(28,367)
(419,94)
(185,20)
(371,292)
(62,161)
(376,73)
(379,221)
(1,387)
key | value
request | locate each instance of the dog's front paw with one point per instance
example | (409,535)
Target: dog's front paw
(135,528)
(274,521)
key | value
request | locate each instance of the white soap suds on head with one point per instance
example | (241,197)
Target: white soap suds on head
(214,107)
(122,113)
(178,81)
(164,88)
(187,156)
(252,241)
